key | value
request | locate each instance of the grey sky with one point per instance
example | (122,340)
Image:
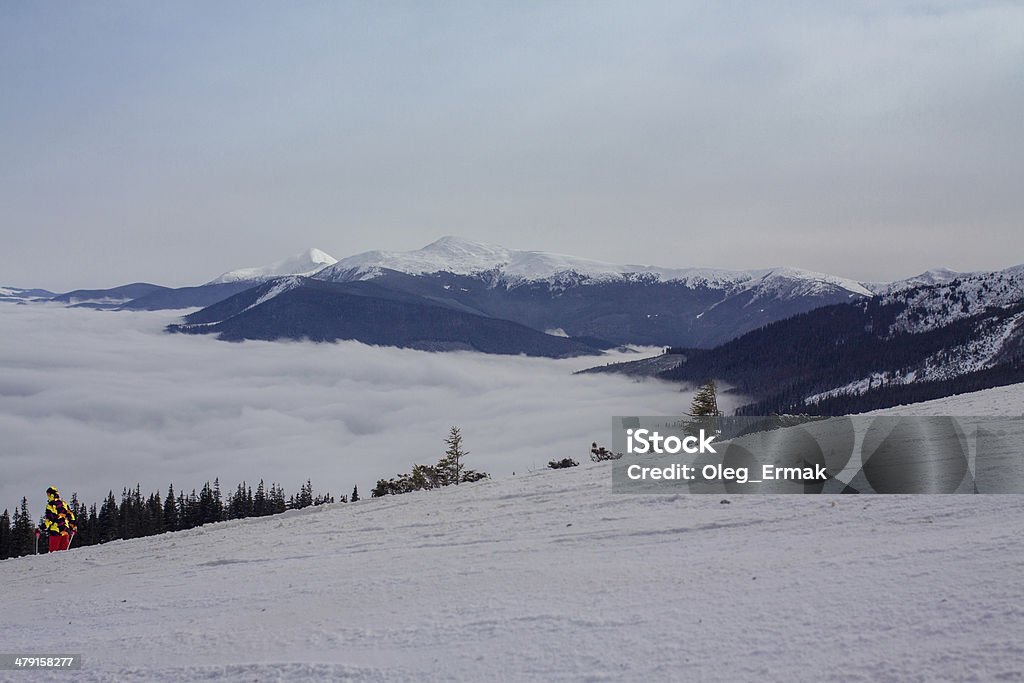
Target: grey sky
(173,141)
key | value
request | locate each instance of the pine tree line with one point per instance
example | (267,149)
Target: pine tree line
(137,515)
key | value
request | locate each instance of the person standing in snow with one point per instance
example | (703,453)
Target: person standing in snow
(60,521)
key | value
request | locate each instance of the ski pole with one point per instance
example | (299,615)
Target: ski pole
(37,541)
(69,540)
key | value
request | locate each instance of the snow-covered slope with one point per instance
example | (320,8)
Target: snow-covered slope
(934,276)
(305,263)
(1005,401)
(544,577)
(991,342)
(994,337)
(511,267)
(930,307)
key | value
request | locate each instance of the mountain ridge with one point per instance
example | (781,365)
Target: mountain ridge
(298,308)
(304,263)
(511,267)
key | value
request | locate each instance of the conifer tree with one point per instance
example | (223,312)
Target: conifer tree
(259,503)
(704,407)
(5,535)
(22,533)
(705,401)
(207,505)
(108,520)
(355,493)
(92,531)
(81,519)
(43,547)
(194,510)
(156,514)
(277,499)
(305,497)
(450,467)
(217,512)
(171,510)
(426,477)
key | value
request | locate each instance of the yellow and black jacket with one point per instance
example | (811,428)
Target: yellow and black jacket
(59,517)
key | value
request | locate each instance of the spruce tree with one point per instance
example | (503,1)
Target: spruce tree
(43,546)
(450,467)
(156,514)
(259,503)
(23,539)
(704,407)
(355,493)
(171,510)
(207,505)
(305,497)
(277,499)
(5,535)
(217,512)
(705,401)
(92,534)
(108,520)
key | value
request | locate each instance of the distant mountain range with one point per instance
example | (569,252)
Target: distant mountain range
(909,344)
(21,296)
(788,338)
(621,303)
(296,307)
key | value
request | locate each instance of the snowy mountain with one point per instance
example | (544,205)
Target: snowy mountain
(112,297)
(19,295)
(544,576)
(298,308)
(512,268)
(970,294)
(624,304)
(230,283)
(935,276)
(605,303)
(906,345)
(305,263)
(219,289)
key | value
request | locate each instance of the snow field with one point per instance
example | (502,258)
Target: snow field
(545,577)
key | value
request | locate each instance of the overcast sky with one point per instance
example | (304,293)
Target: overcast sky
(170,142)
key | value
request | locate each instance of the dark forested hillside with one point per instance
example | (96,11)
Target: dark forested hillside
(641,309)
(784,364)
(299,308)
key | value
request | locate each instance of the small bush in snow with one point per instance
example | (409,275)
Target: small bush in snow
(564,462)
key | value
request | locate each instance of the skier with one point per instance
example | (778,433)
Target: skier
(60,521)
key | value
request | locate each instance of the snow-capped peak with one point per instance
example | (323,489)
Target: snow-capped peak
(934,276)
(461,256)
(809,281)
(304,263)
(448,254)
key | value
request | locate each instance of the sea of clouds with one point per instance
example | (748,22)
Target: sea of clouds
(93,401)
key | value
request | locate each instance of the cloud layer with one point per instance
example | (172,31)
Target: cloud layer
(93,401)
